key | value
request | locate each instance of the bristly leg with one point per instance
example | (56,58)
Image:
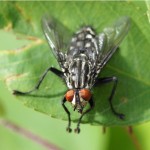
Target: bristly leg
(91,102)
(68,129)
(108,80)
(54,70)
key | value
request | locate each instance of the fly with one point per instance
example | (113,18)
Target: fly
(80,66)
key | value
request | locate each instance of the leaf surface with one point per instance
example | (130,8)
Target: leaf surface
(21,67)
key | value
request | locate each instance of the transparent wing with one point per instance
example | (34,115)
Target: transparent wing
(110,39)
(53,31)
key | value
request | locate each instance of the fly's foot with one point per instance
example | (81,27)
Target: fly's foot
(121,116)
(77,130)
(68,129)
(15,92)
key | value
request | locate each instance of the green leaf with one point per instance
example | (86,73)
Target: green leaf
(2,110)
(22,67)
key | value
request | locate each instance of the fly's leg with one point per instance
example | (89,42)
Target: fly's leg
(68,129)
(91,102)
(115,80)
(57,72)
(54,70)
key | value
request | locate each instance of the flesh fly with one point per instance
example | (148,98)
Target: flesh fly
(81,62)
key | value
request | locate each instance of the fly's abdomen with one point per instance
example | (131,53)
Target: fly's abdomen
(84,42)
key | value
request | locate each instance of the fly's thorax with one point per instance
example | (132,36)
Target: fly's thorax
(78,98)
(78,73)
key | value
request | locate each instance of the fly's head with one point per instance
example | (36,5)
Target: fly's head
(78,98)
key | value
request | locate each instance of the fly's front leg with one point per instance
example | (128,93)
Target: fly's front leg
(108,80)
(91,102)
(68,113)
(54,70)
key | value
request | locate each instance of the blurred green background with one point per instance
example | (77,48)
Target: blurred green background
(48,128)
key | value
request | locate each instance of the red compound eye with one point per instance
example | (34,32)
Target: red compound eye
(69,95)
(85,94)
